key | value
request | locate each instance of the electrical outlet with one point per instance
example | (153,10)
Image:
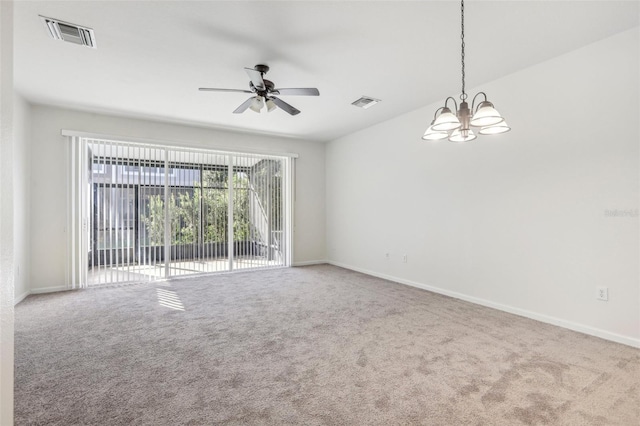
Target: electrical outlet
(404,258)
(603,293)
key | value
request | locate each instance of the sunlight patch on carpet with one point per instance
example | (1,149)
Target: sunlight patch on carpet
(169,299)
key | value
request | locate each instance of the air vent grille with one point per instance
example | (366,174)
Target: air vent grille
(71,33)
(365,102)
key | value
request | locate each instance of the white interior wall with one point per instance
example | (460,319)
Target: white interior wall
(520,221)
(21,191)
(6,213)
(48,180)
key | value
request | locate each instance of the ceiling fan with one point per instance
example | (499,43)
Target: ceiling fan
(265,92)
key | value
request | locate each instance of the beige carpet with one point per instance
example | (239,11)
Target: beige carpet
(307,346)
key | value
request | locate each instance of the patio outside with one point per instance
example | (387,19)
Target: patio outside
(142,206)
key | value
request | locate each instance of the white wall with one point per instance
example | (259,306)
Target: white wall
(6,213)
(48,213)
(21,199)
(516,221)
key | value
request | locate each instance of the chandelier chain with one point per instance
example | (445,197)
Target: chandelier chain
(463,95)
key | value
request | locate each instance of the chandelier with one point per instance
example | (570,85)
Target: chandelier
(457,127)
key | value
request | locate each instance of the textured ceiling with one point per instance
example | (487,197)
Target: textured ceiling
(152,56)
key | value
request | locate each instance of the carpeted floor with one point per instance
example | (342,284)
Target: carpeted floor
(307,346)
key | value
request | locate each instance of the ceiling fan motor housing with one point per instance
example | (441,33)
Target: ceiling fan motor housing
(261,68)
(268,84)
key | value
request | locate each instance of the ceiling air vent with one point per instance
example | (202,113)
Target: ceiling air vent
(72,33)
(365,102)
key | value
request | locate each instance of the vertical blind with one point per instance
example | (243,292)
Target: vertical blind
(142,212)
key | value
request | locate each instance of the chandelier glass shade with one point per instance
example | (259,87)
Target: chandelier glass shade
(460,135)
(434,135)
(457,127)
(496,129)
(446,121)
(486,115)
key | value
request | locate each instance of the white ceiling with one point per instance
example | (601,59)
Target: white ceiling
(153,55)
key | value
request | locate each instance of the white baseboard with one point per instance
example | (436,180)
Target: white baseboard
(310,262)
(20,298)
(48,289)
(603,334)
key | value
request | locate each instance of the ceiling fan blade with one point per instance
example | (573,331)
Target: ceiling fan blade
(284,106)
(242,108)
(211,89)
(256,78)
(309,91)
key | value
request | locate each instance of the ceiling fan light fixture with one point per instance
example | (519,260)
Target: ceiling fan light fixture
(257,104)
(270,105)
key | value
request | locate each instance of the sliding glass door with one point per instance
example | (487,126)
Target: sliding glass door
(155,212)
